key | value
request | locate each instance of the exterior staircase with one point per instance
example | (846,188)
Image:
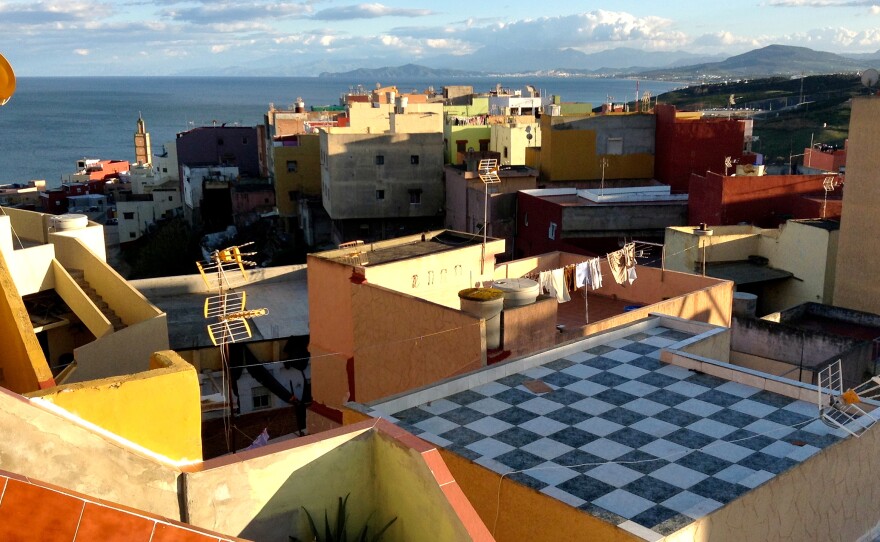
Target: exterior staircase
(79,276)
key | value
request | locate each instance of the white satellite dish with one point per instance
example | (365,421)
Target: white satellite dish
(870,77)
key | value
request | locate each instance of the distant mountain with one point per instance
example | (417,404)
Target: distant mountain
(874,57)
(407,71)
(767,61)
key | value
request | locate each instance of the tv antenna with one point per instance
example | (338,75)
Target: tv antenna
(829,183)
(840,409)
(222,274)
(488,171)
(7,81)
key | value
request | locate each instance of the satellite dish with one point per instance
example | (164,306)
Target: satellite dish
(870,77)
(7,81)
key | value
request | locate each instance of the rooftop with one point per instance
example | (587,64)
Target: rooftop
(410,247)
(605,426)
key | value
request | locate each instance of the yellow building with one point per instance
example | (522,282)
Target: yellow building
(783,267)
(859,227)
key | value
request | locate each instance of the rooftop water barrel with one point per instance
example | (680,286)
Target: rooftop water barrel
(517,292)
(69,222)
(485,303)
(744,304)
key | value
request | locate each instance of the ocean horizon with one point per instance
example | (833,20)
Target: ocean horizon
(51,122)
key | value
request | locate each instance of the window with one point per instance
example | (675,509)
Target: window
(164,170)
(505,152)
(244,141)
(380,194)
(219,141)
(292,195)
(128,216)
(484,145)
(415,196)
(170,198)
(292,166)
(380,160)
(461,145)
(614,145)
(414,159)
(260,397)
(552,232)
(131,235)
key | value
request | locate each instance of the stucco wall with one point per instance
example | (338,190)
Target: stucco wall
(403,342)
(158,408)
(76,458)
(530,328)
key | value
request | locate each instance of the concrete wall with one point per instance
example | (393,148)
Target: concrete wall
(402,342)
(514,138)
(75,457)
(609,219)
(856,289)
(305,181)
(158,408)
(530,328)
(350,175)
(120,352)
(89,314)
(773,367)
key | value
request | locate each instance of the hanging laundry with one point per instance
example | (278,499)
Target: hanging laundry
(629,256)
(596,273)
(546,281)
(617,263)
(581,274)
(557,279)
(568,272)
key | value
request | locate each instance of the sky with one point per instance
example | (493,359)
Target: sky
(172,37)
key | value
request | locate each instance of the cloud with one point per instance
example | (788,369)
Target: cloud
(822,3)
(81,52)
(367,11)
(46,13)
(227,12)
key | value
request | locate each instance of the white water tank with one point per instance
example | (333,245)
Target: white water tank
(69,222)
(517,292)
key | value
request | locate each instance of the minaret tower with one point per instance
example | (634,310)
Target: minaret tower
(142,149)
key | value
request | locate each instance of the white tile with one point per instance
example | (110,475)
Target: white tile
(640,531)
(700,408)
(628,371)
(654,427)
(586,387)
(606,449)
(538,372)
(547,448)
(691,505)
(658,330)
(543,426)
(674,371)
(644,406)
(489,447)
(659,342)
(623,503)
(580,357)
(780,448)
(579,370)
(623,356)
(488,426)
(599,426)
(440,406)
(665,449)
(811,410)
(563,496)
(434,439)
(753,408)
(711,427)
(734,474)
(688,389)
(803,452)
(489,406)
(729,451)
(591,406)
(619,343)
(491,388)
(768,428)
(678,475)
(539,405)
(614,474)
(634,387)
(757,479)
(495,466)
(553,474)
(737,389)
(436,425)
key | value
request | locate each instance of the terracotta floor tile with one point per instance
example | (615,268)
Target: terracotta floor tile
(32,513)
(100,523)
(172,533)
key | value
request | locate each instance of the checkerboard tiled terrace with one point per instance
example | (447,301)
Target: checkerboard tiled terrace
(615,432)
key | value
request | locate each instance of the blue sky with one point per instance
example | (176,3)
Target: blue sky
(156,37)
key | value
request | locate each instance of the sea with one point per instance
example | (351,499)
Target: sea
(51,122)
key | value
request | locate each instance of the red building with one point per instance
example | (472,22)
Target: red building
(821,158)
(689,144)
(766,201)
(54,201)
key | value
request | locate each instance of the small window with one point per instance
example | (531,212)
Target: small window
(292,166)
(131,235)
(164,170)
(128,216)
(380,194)
(380,160)
(292,195)
(552,232)
(415,197)
(244,141)
(505,152)
(260,398)
(170,198)
(461,145)
(414,159)
(614,145)
(484,145)
(219,141)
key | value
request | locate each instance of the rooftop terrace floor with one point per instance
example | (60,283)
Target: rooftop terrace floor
(623,436)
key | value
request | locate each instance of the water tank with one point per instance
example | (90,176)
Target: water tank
(744,304)
(69,222)
(517,292)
